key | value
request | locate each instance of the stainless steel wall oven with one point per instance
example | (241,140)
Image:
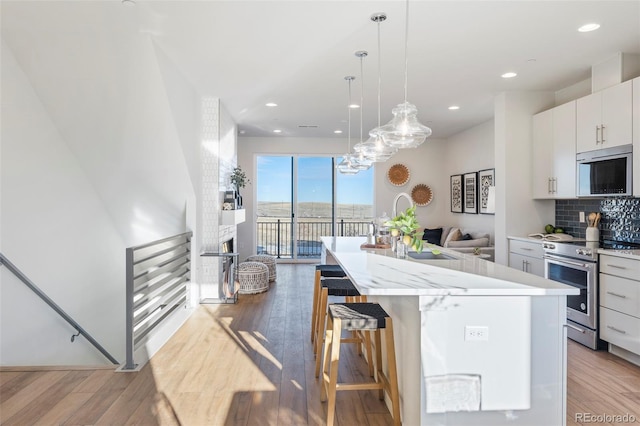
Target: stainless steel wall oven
(575,263)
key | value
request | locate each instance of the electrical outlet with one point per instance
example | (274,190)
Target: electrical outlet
(581,214)
(476,333)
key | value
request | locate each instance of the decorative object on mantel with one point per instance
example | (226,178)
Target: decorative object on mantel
(398,174)
(421,194)
(239,180)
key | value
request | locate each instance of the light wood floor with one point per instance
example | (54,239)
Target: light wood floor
(252,364)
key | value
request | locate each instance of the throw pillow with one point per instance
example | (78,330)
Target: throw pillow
(466,237)
(432,236)
(454,235)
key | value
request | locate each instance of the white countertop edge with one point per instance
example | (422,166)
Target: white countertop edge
(484,278)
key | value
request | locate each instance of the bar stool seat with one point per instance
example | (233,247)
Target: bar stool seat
(368,318)
(341,287)
(322,271)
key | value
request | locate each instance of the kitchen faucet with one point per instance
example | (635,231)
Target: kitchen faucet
(395,202)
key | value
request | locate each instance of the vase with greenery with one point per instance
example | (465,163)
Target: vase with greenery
(405,228)
(239,180)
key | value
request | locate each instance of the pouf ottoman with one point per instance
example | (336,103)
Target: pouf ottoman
(270,261)
(253,277)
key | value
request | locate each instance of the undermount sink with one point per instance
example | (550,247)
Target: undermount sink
(428,255)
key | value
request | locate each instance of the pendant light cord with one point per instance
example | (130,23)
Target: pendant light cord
(379,72)
(361,92)
(349,115)
(406,50)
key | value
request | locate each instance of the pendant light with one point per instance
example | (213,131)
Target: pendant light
(362,162)
(347,165)
(404,130)
(374,148)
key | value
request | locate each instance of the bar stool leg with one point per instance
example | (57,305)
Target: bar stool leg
(393,375)
(314,313)
(330,368)
(320,326)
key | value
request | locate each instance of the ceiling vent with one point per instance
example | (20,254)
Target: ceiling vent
(308,126)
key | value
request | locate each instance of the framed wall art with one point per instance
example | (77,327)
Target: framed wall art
(456,193)
(486,180)
(470,185)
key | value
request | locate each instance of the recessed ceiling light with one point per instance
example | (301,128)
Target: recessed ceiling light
(589,27)
(354,106)
(271,104)
(508,75)
(129,2)
(454,107)
(242,132)
(277,131)
(337,132)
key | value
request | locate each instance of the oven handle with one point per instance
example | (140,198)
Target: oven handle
(568,262)
(578,329)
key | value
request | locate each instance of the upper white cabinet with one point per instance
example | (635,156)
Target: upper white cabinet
(554,152)
(604,118)
(636,136)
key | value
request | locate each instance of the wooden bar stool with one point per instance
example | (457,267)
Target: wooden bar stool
(322,271)
(339,287)
(364,317)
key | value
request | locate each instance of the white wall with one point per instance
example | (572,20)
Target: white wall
(96,157)
(469,151)
(517,214)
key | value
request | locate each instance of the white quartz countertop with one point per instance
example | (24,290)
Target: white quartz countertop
(379,272)
(629,254)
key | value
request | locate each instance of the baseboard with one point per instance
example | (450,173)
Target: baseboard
(26,368)
(624,354)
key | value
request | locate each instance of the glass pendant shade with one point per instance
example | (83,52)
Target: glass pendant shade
(375,149)
(346,166)
(404,130)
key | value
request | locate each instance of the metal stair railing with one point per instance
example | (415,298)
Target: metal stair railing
(157,274)
(81,331)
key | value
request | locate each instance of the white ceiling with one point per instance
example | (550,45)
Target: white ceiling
(297,53)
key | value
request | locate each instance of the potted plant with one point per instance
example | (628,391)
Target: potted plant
(239,180)
(405,227)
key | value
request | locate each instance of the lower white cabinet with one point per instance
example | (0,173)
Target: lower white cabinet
(526,256)
(620,302)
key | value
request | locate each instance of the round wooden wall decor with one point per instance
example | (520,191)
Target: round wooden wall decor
(398,174)
(421,194)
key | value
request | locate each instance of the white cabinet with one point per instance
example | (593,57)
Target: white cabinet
(620,302)
(604,118)
(526,256)
(554,152)
(636,136)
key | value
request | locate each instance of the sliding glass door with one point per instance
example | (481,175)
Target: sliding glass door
(301,198)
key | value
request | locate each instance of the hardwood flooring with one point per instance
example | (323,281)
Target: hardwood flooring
(252,364)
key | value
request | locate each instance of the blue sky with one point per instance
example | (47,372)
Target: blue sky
(314,181)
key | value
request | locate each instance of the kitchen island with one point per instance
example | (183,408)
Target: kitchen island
(477,343)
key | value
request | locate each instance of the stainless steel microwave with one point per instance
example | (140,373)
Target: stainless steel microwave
(605,172)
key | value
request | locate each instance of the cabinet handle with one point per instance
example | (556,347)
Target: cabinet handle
(616,329)
(615,266)
(617,295)
(597,139)
(549,185)
(555,185)
(602,134)
(527,249)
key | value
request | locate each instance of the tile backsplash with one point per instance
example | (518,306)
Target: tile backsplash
(620,217)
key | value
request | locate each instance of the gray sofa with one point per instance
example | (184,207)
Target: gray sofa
(462,240)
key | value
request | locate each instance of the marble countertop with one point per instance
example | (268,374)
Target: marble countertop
(629,254)
(379,272)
